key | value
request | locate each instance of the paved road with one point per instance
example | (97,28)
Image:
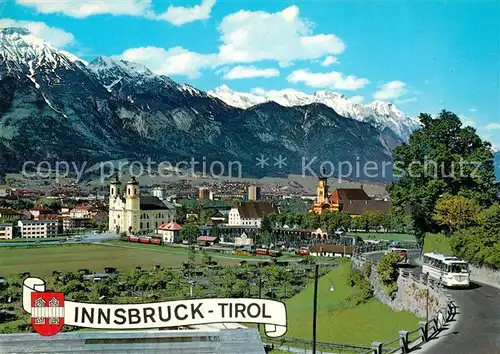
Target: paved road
(476,329)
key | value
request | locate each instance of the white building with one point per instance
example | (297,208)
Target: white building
(6,232)
(250,213)
(170,232)
(38,228)
(132,213)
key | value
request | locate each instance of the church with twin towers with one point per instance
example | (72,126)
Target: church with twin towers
(133,213)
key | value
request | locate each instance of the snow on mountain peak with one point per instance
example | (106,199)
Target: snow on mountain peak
(378,113)
(104,63)
(22,51)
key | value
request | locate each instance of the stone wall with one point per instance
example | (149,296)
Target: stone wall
(485,276)
(411,295)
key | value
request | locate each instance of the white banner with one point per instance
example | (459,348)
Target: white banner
(272,314)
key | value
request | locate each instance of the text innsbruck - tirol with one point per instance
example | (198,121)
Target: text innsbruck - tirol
(50,311)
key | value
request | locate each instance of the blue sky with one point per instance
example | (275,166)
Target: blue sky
(421,55)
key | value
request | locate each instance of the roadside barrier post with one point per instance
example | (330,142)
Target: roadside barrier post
(403,337)
(424,329)
(377,347)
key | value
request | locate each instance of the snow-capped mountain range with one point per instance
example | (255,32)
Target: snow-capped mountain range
(378,113)
(55,106)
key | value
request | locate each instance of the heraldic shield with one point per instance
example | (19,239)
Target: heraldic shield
(47,312)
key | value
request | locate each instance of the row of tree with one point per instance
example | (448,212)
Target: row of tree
(446,181)
(333,221)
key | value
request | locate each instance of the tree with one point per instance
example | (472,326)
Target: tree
(207,259)
(387,269)
(311,221)
(189,233)
(480,245)
(441,158)
(345,221)
(191,257)
(375,219)
(456,212)
(490,219)
(364,222)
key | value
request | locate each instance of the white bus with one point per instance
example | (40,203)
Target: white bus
(450,271)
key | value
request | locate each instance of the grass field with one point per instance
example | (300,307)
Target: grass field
(384,236)
(437,243)
(44,260)
(338,321)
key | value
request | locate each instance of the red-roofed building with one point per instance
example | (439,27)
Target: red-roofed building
(170,232)
(40,209)
(206,240)
(80,211)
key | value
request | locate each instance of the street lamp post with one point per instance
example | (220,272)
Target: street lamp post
(315,306)
(427,299)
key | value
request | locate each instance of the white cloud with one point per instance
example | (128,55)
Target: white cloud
(179,15)
(406,100)
(472,110)
(249,36)
(174,61)
(55,36)
(82,9)
(252,36)
(332,80)
(259,91)
(246,72)
(285,64)
(390,90)
(329,60)
(356,99)
(492,126)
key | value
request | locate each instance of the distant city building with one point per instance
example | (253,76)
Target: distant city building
(6,231)
(160,193)
(38,228)
(205,193)
(250,213)
(76,223)
(254,193)
(40,209)
(9,214)
(132,213)
(80,211)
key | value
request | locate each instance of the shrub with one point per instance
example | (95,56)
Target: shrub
(367,270)
(362,287)
(388,272)
(355,277)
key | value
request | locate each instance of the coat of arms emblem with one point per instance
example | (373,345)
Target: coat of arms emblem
(47,312)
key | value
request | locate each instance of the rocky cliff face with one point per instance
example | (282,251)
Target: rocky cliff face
(54,106)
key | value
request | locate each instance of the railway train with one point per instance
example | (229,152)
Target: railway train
(143,239)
